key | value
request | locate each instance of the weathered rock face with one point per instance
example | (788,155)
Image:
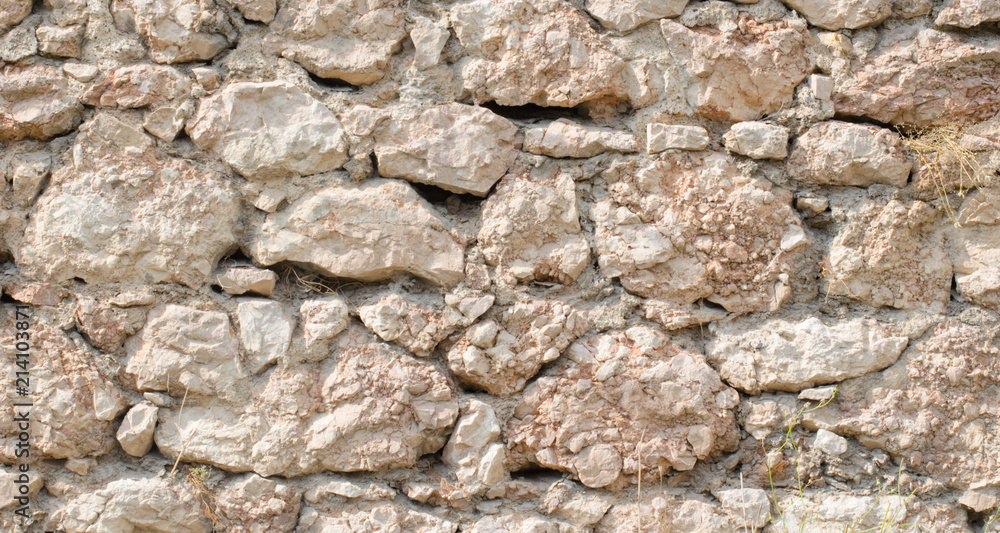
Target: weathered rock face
(841,153)
(75,399)
(624,16)
(460,148)
(269,130)
(758,140)
(976,257)
(967,13)
(934,406)
(350,40)
(36,103)
(137,86)
(565,138)
(743,73)
(922,77)
(123,210)
(783,355)
(367,232)
(842,14)
(557,60)
(12,12)
(176,30)
(363,515)
(531,227)
(371,408)
(499,356)
(626,389)
(692,227)
(417,327)
(239,509)
(884,255)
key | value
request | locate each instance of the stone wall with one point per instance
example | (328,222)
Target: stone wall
(524,266)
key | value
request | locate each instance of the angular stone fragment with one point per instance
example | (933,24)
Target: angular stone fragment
(183,349)
(258,10)
(136,432)
(368,231)
(417,327)
(626,15)
(239,505)
(751,507)
(969,13)
(565,138)
(531,226)
(12,12)
(265,332)
(81,72)
(842,153)
(743,73)
(673,316)
(836,15)
(370,408)
(46,294)
(137,86)
(461,148)
(100,324)
(501,355)
(351,40)
(324,318)
(75,401)
(134,504)
(543,53)
(791,356)
(18,44)
(36,102)
(60,42)
(269,130)
(690,227)
(835,511)
(175,30)
(166,121)
(428,39)
(936,406)
(125,211)
(660,137)
(884,255)
(474,450)
(830,443)
(922,77)
(617,393)
(244,279)
(975,253)
(758,140)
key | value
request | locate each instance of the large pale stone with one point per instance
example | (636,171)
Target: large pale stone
(626,15)
(259,10)
(884,255)
(324,318)
(122,210)
(778,354)
(531,226)
(842,14)
(245,279)
(12,12)
(428,39)
(136,432)
(690,227)
(57,41)
(269,130)
(565,138)
(743,73)
(835,511)
(750,507)
(351,40)
(239,509)
(474,450)
(36,102)
(922,77)
(368,231)
(416,326)
(461,148)
(842,153)
(969,13)
(74,400)
(183,350)
(935,407)
(101,325)
(501,355)
(623,394)
(975,252)
(265,332)
(660,137)
(758,140)
(137,86)
(175,30)
(539,52)
(370,408)
(134,504)
(372,516)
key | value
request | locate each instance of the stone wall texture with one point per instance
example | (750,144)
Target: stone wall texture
(500,266)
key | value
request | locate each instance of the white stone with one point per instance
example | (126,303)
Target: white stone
(969,13)
(12,12)
(372,230)
(429,39)
(265,332)
(830,443)
(259,10)
(133,504)
(842,14)
(626,15)
(36,102)
(843,153)
(472,449)
(758,140)
(660,137)
(246,279)
(136,432)
(269,130)
(565,138)
(173,28)
(750,508)
(324,318)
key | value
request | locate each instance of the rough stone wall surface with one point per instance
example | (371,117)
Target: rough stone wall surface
(500,266)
